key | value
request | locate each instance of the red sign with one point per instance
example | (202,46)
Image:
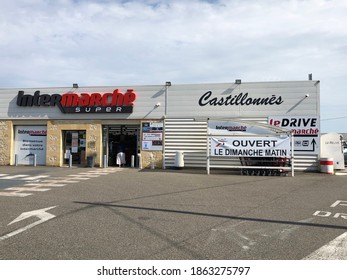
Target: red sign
(115,102)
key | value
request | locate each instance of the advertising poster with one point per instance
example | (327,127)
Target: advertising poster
(30,140)
(152,136)
(74,143)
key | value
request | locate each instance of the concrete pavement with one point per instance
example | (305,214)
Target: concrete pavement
(168,214)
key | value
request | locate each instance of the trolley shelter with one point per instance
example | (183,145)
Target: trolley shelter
(261,149)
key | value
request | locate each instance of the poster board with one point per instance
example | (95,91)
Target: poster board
(152,136)
(30,140)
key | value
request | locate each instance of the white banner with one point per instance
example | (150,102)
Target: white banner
(250,146)
(30,141)
(221,127)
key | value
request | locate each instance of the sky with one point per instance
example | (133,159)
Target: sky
(53,43)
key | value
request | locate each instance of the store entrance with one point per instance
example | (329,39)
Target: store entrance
(121,139)
(74,143)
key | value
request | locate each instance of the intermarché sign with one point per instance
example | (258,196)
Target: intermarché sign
(110,102)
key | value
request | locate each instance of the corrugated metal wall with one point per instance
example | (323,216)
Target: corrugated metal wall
(190,137)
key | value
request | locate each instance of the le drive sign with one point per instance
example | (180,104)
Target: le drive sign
(305,130)
(251,146)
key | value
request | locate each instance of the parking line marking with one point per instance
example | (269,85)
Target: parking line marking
(15,193)
(341,173)
(79,177)
(55,180)
(19,176)
(334,250)
(24,177)
(41,183)
(45,185)
(36,177)
(23,189)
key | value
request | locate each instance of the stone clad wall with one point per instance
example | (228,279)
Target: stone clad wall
(6,135)
(149,156)
(54,155)
(54,149)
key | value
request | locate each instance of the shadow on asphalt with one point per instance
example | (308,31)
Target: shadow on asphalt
(203,171)
(96,204)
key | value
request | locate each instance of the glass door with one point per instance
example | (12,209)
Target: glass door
(74,143)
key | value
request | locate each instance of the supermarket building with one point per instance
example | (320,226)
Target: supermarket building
(152,122)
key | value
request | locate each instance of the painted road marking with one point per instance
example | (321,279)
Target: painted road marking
(38,177)
(40,213)
(325,214)
(36,184)
(78,177)
(45,185)
(88,175)
(339,203)
(59,180)
(13,177)
(337,248)
(23,189)
(15,193)
(22,177)
(334,250)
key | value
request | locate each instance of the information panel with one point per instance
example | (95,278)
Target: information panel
(152,136)
(30,141)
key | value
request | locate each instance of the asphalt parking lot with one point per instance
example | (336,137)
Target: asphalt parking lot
(124,214)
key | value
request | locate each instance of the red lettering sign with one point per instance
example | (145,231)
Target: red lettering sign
(115,102)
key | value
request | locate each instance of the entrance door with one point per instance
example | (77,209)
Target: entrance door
(74,144)
(121,138)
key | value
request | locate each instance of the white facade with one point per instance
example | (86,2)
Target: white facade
(227,100)
(183,109)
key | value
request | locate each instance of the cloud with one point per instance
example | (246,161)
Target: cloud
(56,43)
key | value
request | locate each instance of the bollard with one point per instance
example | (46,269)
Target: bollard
(179,160)
(16,160)
(327,165)
(105,161)
(163,159)
(140,161)
(132,161)
(34,160)
(70,160)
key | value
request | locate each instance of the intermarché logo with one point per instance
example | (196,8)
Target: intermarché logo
(110,102)
(33,132)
